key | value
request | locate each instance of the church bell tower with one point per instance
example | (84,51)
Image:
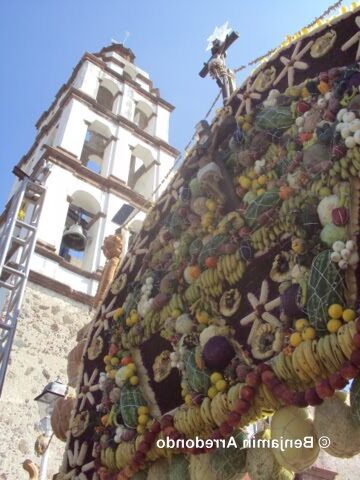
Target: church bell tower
(101,153)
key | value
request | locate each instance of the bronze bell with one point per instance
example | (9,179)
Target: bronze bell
(75,238)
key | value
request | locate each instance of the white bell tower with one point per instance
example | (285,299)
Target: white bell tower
(105,138)
(103,148)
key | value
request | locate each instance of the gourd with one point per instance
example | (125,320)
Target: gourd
(159,470)
(294,423)
(198,378)
(334,419)
(261,463)
(230,463)
(325,287)
(179,468)
(211,248)
(274,118)
(130,400)
(263,203)
(60,417)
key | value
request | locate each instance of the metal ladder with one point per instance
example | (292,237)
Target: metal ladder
(17,243)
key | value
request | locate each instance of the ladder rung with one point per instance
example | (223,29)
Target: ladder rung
(13,271)
(20,223)
(7,285)
(6,327)
(19,241)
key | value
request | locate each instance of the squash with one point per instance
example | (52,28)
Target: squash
(130,400)
(294,423)
(325,287)
(159,470)
(334,420)
(60,417)
(229,463)
(261,463)
(198,378)
(179,468)
(264,202)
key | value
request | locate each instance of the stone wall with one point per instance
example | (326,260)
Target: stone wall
(46,332)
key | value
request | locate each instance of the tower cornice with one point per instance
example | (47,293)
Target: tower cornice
(103,65)
(74,93)
(111,184)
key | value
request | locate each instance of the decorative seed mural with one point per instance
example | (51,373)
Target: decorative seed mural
(238,299)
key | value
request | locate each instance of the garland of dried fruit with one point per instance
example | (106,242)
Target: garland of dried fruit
(239,296)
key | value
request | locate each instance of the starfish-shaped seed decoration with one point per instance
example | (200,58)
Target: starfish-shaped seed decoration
(246,97)
(262,307)
(136,250)
(75,474)
(87,388)
(353,40)
(102,322)
(293,63)
(75,461)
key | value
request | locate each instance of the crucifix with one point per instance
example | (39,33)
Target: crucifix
(218,43)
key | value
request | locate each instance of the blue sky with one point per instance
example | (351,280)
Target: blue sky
(42,40)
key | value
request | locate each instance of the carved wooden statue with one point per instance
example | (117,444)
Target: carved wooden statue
(112,249)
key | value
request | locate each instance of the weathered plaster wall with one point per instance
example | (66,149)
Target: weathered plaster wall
(46,332)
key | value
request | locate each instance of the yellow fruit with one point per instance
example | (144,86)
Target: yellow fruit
(221,385)
(202,317)
(244,182)
(349,315)
(112,374)
(212,392)
(143,419)
(210,204)
(261,191)
(262,180)
(134,317)
(333,325)
(246,126)
(115,361)
(107,359)
(131,367)
(295,339)
(130,370)
(176,313)
(255,184)
(134,380)
(188,399)
(335,310)
(108,368)
(240,119)
(215,377)
(118,312)
(140,429)
(301,323)
(128,321)
(143,410)
(309,333)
